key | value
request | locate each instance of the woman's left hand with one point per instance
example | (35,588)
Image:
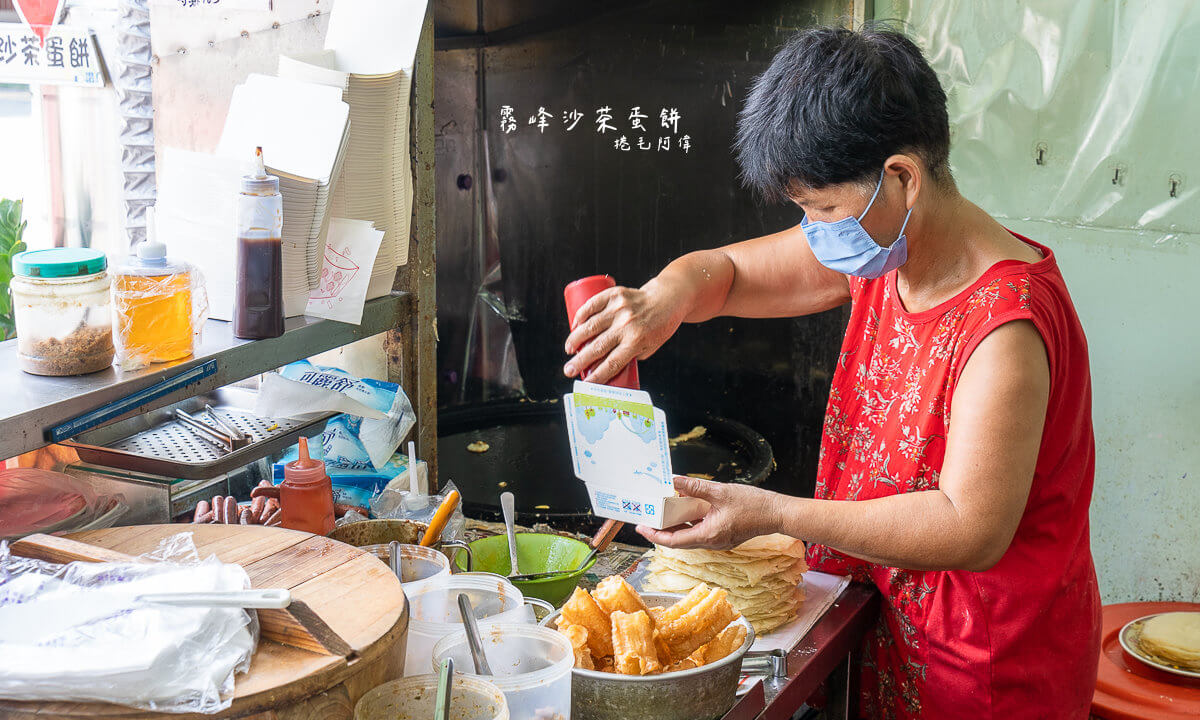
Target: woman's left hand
(738,513)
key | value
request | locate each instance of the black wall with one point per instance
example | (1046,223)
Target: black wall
(549,207)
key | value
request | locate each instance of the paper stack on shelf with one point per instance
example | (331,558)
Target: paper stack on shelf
(376,179)
(370,49)
(349,253)
(303,129)
(196,214)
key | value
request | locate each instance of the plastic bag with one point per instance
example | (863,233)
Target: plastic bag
(397,503)
(78,632)
(351,516)
(42,501)
(377,415)
(159,312)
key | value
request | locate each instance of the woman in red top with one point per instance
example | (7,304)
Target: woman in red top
(976,531)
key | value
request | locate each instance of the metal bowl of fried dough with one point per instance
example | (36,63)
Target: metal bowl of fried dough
(698,693)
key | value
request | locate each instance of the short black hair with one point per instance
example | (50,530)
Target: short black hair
(834,104)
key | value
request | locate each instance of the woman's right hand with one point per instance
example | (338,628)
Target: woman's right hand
(619,325)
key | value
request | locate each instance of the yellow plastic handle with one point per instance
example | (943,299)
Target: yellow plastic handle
(440,518)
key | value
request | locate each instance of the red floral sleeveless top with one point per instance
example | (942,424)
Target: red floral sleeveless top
(1022,638)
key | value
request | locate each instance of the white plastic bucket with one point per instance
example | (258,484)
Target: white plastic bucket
(532,666)
(433,612)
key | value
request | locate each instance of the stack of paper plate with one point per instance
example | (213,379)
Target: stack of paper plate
(376,178)
(303,129)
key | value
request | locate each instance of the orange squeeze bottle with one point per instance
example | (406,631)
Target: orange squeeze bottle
(306,494)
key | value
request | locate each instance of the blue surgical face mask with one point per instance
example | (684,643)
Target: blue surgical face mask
(846,247)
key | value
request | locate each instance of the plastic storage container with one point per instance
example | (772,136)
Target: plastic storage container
(306,494)
(152,305)
(415,698)
(532,667)
(63,315)
(433,612)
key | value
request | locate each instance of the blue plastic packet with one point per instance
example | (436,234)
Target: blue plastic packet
(376,414)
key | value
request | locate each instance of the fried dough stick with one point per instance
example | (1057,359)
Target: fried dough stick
(613,594)
(730,639)
(680,608)
(633,644)
(698,626)
(578,636)
(581,609)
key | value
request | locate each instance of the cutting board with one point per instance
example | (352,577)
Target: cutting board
(351,591)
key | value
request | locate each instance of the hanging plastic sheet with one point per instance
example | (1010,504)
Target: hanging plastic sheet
(491,357)
(34,500)
(1076,112)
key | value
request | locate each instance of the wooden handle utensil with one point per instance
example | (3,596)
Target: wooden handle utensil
(440,518)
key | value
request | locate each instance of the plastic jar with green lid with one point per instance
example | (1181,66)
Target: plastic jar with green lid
(62,311)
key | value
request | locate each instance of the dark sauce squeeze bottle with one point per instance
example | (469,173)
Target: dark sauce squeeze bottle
(258,293)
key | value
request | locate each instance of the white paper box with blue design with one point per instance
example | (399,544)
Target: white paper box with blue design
(620,449)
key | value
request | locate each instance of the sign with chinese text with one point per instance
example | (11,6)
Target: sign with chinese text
(67,57)
(640,131)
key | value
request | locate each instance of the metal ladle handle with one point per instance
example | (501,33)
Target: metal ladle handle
(459,545)
(395,562)
(473,638)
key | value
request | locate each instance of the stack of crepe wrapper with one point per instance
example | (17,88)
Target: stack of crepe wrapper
(762,576)
(1173,638)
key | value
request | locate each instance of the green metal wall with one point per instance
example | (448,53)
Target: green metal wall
(1073,123)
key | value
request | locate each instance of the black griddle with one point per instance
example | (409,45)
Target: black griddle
(529,456)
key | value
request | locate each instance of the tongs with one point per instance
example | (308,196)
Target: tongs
(772,663)
(599,543)
(228,437)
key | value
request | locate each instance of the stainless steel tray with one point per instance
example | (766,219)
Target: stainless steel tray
(158,444)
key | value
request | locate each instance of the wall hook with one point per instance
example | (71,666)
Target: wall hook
(1118,174)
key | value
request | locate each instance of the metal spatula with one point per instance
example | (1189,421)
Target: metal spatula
(507,505)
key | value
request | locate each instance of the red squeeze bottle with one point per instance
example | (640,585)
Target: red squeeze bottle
(578,293)
(306,494)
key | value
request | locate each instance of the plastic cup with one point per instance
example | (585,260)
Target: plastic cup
(532,666)
(434,613)
(414,698)
(419,563)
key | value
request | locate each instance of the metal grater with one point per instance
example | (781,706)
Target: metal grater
(173,441)
(158,444)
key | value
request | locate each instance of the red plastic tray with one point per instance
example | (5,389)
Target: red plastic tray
(1129,689)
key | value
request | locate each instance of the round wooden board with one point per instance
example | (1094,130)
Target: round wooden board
(352,591)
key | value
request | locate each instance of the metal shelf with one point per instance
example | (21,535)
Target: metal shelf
(32,406)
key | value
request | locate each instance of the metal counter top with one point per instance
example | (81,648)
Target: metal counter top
(32,407)
(828,651)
